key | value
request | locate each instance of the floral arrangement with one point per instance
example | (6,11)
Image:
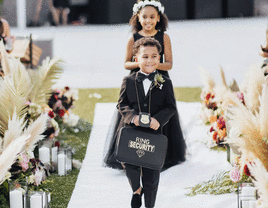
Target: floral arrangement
(158,81)
(142,4)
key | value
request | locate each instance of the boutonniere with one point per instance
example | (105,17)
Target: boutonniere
(158,81)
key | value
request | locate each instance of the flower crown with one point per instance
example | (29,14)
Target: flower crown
(142,4)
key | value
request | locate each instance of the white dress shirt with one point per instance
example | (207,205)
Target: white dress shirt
(146,83)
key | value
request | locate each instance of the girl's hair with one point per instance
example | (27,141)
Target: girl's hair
(146,41)
(162,25)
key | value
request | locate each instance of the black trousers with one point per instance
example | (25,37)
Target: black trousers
(150,181)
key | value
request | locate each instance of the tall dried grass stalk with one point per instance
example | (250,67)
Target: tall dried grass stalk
(9,155)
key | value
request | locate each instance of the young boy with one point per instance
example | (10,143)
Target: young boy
(155,93)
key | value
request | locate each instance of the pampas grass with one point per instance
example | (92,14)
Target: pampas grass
(15,128)
(43,79)
(251,127)
(207,80)
(253,87)
(35,130)
(14,91)
(223,78)
(261,175)
(9,155)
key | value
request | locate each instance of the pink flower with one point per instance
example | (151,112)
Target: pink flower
(27,103)
(38,176)
(58,103)
(221,123)
(25,162)
(57,91)
(234,174)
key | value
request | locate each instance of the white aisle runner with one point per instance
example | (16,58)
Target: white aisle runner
(101,187)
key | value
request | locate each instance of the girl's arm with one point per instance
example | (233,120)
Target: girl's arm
(168,55)
(129,55)
(6,28)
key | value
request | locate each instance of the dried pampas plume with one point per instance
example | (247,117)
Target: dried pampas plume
(251,128)
(207,80)
(253,82)
(35,130)
(9,155)
(223,78)
(261,175)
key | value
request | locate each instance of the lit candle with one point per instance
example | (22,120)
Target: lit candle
(44,154)
(16,199)
(54,154)
(61,164)
(36,201)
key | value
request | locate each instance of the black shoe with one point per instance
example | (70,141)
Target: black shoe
(136,200)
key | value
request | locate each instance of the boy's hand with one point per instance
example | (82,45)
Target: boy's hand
(136,120)
(154,124)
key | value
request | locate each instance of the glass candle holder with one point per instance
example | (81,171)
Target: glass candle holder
(64,161)
(247,195)
(36,199)
(18,194)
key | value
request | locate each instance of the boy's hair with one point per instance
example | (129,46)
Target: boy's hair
(162,25)
(146,41)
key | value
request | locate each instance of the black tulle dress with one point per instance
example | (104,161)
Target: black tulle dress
(176,151)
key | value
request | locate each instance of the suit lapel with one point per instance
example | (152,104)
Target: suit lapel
(140,90)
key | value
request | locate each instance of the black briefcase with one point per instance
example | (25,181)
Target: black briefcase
(142,147)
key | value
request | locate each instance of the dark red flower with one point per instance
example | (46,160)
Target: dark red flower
(214,137)
(221,123)
(56,97)
(51,114)
(208,96)
(211,129)
(61,112)
(246,170)
(212,96)
(66,88)
(57,144)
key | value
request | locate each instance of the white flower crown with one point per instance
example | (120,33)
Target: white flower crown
(142,4)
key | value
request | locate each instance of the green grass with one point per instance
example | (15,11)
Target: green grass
(85,106)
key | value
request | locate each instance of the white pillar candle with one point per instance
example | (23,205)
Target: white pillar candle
(248,191)
(36,201)
(245,204)
(16,199)
(44,154)
(54,154)
(61,164)
(252,204)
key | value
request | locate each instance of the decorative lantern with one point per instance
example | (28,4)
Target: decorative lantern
(64,161)
(18,194)
(247,195)
(39,199)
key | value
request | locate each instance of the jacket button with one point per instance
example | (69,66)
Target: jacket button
(145,104)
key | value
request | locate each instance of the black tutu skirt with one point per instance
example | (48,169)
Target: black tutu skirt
(176,152)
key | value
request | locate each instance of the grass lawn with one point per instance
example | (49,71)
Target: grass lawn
(85,105)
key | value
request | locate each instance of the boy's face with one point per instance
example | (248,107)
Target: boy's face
(148,58)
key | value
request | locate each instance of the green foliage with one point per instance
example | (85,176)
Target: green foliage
(4,196)
(219,184)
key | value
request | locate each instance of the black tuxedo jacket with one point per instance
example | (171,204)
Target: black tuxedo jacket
(163,103)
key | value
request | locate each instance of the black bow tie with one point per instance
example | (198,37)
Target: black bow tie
(142,76)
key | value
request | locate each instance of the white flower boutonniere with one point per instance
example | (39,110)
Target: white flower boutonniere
(158,81)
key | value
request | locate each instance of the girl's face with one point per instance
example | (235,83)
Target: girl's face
(148,17)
